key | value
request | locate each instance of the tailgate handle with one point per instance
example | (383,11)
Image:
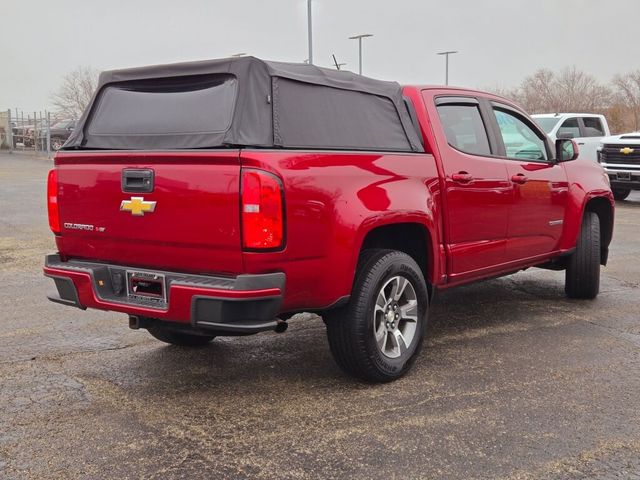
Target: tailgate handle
(136,180)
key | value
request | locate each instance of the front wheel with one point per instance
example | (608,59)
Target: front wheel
(621,193)
(582,278)
(379,334)
(179,338)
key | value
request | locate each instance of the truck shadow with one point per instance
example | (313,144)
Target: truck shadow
(302,356)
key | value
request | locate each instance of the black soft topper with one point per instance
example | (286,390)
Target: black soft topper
(244,102)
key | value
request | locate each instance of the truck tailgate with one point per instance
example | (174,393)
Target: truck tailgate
(193,226)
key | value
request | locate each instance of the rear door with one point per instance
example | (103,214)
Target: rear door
(477,189)
(539,185)
(591,132)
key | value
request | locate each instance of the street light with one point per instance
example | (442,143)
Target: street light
(446,54)
(237,55)
(310,32)
(359,38)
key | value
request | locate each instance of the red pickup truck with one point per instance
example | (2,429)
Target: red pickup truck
(222,197)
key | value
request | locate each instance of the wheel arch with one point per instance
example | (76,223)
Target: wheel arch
(603,207)
(411,237)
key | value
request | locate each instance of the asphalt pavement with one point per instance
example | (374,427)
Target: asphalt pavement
(515,381)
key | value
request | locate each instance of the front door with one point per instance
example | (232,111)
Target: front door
(540,187)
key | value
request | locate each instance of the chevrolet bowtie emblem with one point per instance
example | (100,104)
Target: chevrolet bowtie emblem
(626,150)
(137,206)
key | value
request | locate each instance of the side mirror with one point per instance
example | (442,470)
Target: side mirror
(566,150)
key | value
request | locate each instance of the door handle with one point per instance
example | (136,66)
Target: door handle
(462,177)
(519,178)
(137,180)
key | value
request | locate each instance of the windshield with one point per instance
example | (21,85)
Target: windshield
(547,123)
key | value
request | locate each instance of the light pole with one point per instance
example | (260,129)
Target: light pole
(310,32)
(359,38)
(446,54)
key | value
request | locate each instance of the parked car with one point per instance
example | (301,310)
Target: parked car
(22,135)
(585,128)
(620,157)
(60,132)
(309,189)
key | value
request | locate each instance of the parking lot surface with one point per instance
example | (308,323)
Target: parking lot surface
(515,381)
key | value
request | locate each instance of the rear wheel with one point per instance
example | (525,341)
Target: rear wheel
(582,278)
(379,334)
(179,338)
(621,193)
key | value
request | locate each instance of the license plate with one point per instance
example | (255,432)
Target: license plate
(624,176)
(146,285)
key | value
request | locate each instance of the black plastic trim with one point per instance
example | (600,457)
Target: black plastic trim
(146,175)
(67,293)
(456,100)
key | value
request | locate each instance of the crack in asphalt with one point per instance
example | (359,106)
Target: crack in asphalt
(57,357)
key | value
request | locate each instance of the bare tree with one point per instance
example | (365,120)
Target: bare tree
(538,92)
(569,90)
(76,91)
(628,89)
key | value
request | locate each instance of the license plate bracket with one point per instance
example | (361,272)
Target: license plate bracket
(148,286)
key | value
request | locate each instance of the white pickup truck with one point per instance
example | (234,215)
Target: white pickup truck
(587,129)
(620,158)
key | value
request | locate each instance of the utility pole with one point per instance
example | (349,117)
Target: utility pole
(310,32)
(359,38)
(446,54)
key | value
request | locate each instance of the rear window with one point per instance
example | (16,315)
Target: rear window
(464,128)
(175,107)
(315,116)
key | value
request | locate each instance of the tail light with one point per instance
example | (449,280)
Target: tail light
(52,201)
(262,211)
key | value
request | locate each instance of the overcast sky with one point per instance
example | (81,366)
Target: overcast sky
(500,41)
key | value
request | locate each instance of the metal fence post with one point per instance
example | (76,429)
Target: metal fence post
(48,134)
(10,131)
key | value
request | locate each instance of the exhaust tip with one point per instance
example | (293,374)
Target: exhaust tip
(281,327)
(134,322)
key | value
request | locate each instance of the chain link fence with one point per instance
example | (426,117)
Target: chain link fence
(38,132)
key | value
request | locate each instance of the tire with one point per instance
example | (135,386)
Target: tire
(363,336)
(56,144)
(582,277)
(178,338)
(621,193)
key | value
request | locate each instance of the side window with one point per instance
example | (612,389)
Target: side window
(520,140)
(464,128)
(593,127)
(569,129)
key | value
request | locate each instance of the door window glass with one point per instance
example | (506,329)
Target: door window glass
(569,129)
(520,140)
(464,128)
(593,127)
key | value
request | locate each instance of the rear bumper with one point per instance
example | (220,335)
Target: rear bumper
(241,304)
